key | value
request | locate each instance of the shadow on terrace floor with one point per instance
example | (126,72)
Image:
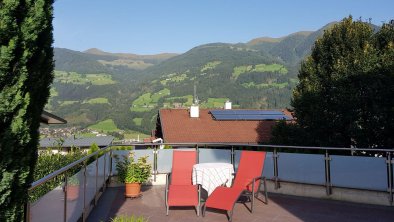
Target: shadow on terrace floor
(280,208)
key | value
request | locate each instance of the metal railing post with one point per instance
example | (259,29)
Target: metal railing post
(27,208)
(84,216)
(389,162)
(155,152)
(110,163)
(233,157)
(95,194)
(104,171)
(327,160)
(65,198)
(276,171)
(198,153)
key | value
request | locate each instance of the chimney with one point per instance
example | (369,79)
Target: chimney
(227,104)
(194,111)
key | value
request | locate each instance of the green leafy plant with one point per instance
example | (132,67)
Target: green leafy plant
(125,218)
(131,171)
(48,162)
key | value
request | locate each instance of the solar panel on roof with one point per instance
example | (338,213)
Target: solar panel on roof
(249,115)
(246,112)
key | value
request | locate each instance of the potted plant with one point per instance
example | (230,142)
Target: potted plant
(72,187)
(133,173)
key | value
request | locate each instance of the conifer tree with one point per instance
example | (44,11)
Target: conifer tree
(345,92)
(26,72)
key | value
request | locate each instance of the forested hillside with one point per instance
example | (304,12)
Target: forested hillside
(125,91)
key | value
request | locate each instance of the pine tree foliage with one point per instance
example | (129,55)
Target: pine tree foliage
(26,71)
(345,92)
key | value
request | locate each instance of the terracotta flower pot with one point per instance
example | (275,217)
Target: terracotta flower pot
(133,189)
(72,192)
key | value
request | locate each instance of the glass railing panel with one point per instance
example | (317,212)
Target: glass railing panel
(118,154)
(268,170)
(90,182)
(137,154)
(164,160)
(207,155)
(141,153)
(49,207)
(100,175)
(301,168)
(359,172)
(237,158)
(108,165)
(75,196)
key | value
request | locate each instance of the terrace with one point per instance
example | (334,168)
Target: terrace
(329,185)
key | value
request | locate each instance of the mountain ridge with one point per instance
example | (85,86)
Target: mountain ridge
(96,86)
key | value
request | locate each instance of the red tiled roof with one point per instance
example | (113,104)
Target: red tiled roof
(178,127)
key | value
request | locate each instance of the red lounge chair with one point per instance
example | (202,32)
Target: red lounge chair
(247,182)
(179,188)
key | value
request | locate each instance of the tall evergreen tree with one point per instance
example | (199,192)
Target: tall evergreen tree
(345,92)
(26,72)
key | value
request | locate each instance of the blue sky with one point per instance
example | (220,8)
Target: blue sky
(150,27)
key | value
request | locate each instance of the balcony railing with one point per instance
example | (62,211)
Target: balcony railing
(330,167)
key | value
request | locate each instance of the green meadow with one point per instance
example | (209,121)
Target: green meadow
(137,121)
(99,100)
(148,101)
(105,126)
(82,79)
(210,65)
(214,103)
(275,68)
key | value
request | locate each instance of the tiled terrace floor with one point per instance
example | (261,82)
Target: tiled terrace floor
(280,208)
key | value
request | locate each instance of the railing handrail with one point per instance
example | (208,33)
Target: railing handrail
(259,145)
(65,168)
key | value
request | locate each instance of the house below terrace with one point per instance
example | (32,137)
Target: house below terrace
(197,125)
(64,145)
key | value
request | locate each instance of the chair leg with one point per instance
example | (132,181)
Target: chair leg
(265,191)
(230,216)
(167,210)
(204,208)
(251,208)
(198,210)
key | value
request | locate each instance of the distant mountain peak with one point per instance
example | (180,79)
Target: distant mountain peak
(95,51)
(275,40)
(263,39)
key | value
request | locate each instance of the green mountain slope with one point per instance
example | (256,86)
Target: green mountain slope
(128,89)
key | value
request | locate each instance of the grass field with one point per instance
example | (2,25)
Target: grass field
(68,102)
(81,79)
(156,96)
(135,135)
(173,77)
(270,68)
(148,101)
(99,100)
(214,103)
(100,79)
(53,92)
(105,126)
(137,121)
(188,98)
(276,68)
(142,103)
(210,65)
(265,85)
